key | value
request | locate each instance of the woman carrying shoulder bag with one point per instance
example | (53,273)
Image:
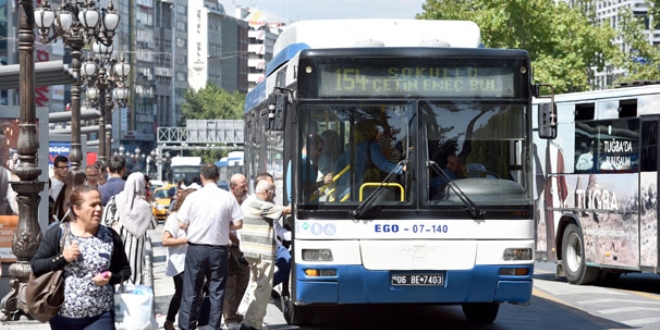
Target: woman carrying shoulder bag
(93,260)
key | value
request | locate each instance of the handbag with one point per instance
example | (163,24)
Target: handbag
(134,308)
(44,295)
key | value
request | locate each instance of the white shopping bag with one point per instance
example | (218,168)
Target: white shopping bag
(248,297)
(134,308)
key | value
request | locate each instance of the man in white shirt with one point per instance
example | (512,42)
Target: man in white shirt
(207,216)
(60,170)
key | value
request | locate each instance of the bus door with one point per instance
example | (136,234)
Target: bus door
(648,192)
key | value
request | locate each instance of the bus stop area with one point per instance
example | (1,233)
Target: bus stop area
(162,284)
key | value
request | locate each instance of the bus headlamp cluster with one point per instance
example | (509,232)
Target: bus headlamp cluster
(513,254)
(317,254)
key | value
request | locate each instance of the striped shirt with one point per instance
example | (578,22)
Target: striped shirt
(257,235)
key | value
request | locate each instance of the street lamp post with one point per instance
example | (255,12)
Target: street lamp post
(27,235)
(77,24)
(101,82)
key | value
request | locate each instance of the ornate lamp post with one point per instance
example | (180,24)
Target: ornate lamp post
(28,233)
(77,24)
(101,81)
(151,162)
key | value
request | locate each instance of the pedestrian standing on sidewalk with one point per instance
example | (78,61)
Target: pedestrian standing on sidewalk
(207,216)
(115,183)
(259,247)
(130,215)
(239,270)
(93,260)
(174,238)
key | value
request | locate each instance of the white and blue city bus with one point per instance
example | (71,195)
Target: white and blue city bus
(399,221)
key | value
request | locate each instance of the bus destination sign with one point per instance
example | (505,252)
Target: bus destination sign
(410,81)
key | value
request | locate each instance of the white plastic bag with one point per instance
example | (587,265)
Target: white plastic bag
(247,298)
(134,309)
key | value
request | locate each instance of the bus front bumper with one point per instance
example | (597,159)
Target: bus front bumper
(353,284)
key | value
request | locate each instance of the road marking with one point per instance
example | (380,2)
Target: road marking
(626,309)
(642,321)
(653,296)
(609,300)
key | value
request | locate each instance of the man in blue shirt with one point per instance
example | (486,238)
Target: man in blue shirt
(115,184)
(367,154)
(309,164)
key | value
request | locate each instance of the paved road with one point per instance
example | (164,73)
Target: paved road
(632,303)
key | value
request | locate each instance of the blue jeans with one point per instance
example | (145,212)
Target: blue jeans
(105,321)
(283,264)
(203,262)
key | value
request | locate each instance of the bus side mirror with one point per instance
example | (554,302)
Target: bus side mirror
(277,105)
(547,120)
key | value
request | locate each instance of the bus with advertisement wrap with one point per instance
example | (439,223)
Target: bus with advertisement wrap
(361,123)
(597,182)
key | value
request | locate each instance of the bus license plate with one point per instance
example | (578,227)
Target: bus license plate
(417,279)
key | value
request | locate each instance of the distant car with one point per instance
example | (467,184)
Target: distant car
(223,185)
(161,203)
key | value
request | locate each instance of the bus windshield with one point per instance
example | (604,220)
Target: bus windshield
(474,151)
(439,150)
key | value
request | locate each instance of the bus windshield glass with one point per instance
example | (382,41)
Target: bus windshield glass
(349,150)
(474,150)
(439,150)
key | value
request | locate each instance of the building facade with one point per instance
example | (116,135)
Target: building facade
(217,47)
(261,38)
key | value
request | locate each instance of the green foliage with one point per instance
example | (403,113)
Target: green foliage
(211,102)
(561,41)
(631,31)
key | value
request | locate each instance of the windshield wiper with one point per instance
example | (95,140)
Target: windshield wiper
(366,204)
(468,204)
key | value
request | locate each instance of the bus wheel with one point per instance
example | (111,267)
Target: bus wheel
(573,258)
(483,313)
(298,315)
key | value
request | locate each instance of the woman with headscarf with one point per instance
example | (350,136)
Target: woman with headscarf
(135,218)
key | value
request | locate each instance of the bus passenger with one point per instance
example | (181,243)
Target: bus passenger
(331,151)
(368,159)
(309,164)
(586,160)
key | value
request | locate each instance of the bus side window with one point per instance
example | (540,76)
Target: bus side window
(649,152)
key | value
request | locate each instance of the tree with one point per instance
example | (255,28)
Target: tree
(561,40)
(212,102)
(641,59)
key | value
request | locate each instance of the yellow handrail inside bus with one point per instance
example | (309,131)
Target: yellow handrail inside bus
(330,185)
(376,184)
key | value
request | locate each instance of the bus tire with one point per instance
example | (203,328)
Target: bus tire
(298,315)
(573,258)
(481,313)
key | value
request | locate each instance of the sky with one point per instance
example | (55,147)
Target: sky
(296,10)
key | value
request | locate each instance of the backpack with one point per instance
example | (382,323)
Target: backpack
(110,216)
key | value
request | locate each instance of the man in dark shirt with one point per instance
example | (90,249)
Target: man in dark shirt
(115,184)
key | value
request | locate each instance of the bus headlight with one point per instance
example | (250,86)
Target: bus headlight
(317,254)
(513,254)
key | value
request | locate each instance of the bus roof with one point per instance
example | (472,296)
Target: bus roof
(351,33)
(348,33)
(603,94)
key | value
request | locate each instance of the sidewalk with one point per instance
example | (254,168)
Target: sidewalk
(163,289)
(163,286)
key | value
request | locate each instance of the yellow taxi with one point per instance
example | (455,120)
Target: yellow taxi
(161,204)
